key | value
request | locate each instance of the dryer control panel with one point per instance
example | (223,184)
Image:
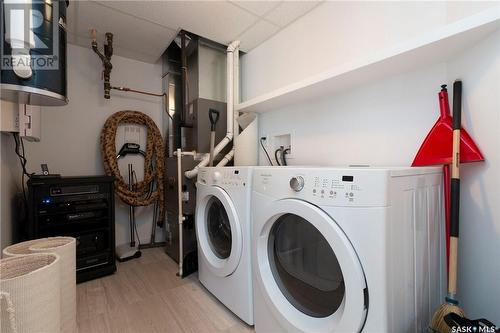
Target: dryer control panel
(331,186)
(341,188)
(326,187)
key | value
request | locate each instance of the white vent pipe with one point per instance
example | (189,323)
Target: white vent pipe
(236,85)
(236,99)
(229,156)
(230,113)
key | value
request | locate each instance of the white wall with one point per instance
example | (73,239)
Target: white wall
(385,123)
(70,134)
(479,264)
(10,180)
(361,126)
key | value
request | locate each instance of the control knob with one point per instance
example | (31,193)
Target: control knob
(217,175)
(297,183)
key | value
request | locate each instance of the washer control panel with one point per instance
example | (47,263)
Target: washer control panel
(226,177)
(231,178)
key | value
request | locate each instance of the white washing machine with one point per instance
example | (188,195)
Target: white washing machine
(223,230)
(347,249)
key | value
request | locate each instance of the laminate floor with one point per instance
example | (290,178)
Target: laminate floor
(145,295)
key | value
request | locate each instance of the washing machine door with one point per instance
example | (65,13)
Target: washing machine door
(218,231)
(308,270)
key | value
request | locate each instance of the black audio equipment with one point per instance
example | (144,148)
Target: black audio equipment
(80,207)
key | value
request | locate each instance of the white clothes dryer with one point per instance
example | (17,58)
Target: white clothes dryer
(223,229)
(347,249)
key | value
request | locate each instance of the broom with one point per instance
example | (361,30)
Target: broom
(438,323)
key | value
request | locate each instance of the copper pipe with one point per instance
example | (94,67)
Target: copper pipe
(107,66)
(105,58)
(126,89)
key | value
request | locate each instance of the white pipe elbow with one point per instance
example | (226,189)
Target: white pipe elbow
(191,173)
(233,46)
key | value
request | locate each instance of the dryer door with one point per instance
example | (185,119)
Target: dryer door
(307,268)
(218,231)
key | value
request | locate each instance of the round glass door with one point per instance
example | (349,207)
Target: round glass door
(305,267)
(219,229)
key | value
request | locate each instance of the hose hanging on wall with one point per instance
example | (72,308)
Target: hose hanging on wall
(154,172)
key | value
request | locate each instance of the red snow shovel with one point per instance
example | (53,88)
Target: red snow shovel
(437,149)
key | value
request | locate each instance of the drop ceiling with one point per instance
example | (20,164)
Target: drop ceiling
(143,29)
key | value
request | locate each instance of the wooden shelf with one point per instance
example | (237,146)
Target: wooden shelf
(435,47)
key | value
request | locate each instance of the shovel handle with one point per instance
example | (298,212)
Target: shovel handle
(213,115)
(455,188)
(457,104)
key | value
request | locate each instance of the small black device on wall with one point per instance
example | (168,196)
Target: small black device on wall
(80,207)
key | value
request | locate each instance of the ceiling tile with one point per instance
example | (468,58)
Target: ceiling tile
(153,11)
(134,53)
(288,11)
(143,29)
(130,33)
(259,8)
(257,34)
(217,20)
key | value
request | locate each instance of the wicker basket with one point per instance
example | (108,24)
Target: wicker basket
(29,293)
(65,247)
(20,249)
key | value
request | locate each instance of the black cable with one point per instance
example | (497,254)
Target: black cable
(265,150)
(20,152)
(25,159)
(283,155)
(276,157)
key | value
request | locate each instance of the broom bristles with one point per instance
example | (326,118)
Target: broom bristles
(438,324)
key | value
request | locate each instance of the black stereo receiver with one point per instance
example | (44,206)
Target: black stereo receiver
(80,207)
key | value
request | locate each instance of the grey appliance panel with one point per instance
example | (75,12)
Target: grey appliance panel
(199,136)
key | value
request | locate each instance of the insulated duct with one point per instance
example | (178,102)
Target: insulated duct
(231,50)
